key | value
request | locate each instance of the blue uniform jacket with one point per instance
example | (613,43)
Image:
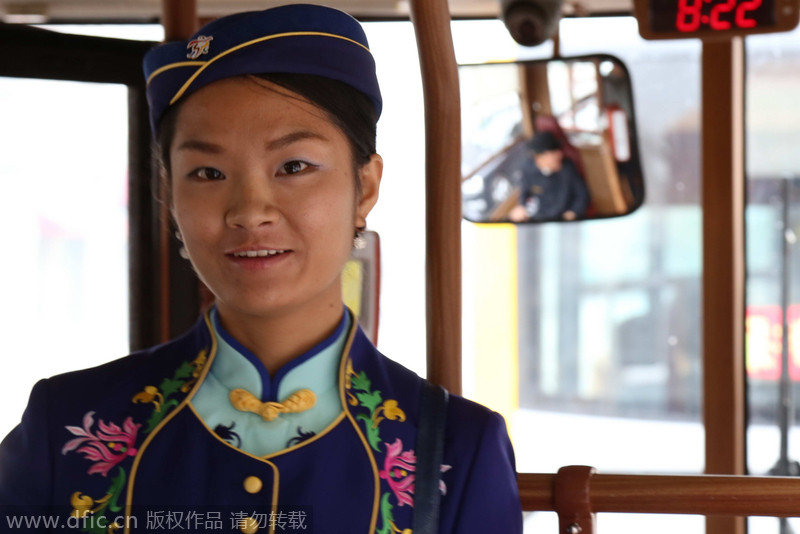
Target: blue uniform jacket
(119,448)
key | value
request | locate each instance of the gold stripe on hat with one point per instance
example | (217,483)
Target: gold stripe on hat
(172,66)
(240,46)
(299,401)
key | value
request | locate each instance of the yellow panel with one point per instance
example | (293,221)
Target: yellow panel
(496,334)
(352,285)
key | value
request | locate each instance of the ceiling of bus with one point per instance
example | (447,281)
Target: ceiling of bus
(148,10)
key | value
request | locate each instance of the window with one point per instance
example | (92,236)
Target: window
(64,211)
(773,221)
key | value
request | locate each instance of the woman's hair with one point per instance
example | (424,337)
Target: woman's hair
(349,109)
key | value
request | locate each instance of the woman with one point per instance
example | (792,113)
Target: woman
(274,412)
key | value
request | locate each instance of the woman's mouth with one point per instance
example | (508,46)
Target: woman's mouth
(260,258)
(258,253)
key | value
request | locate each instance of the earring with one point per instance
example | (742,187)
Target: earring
(181,251)
(359,241)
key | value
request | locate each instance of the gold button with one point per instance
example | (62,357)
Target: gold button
(253,484)
(249,526)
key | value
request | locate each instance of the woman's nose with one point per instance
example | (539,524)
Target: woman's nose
(252,205)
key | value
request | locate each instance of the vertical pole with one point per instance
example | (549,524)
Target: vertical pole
(431,20)
(785,466)
(723,265)
(786,406)
(179,18)
(144,232)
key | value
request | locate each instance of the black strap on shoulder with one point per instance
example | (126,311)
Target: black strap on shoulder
(430,451)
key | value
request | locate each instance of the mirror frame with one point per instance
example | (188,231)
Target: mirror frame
(617,200)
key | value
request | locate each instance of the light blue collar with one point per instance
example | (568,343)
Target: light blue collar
(317,369)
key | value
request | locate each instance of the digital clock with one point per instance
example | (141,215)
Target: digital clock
(708,19)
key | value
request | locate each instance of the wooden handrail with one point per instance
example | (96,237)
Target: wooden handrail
(668,494)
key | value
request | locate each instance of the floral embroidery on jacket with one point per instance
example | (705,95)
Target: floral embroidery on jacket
(161,397)
(108,447)
(388,518)
(110,444)
(399,466)
(398,470)
(373,401)
(84,507)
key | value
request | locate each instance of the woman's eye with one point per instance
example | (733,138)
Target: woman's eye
(293,167)
(208,173)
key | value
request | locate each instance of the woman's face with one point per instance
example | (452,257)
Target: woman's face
(264,196)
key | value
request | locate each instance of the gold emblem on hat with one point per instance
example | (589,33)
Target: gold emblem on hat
(198,47)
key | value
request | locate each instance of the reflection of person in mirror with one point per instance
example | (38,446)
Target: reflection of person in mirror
(552,187)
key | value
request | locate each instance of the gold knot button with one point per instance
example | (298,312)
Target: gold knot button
(299,401)
(249,526)
(253,484)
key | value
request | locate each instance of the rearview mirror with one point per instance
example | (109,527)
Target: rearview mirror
(548,140)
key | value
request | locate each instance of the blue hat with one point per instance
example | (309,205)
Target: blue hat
(299,39)
(544,142)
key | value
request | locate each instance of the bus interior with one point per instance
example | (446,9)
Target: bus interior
(652,338)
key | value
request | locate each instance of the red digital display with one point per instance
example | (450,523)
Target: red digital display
(690,16)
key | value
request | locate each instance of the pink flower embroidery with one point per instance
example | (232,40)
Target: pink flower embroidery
(108,447)
(398,471)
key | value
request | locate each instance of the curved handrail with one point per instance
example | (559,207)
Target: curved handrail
(670,494)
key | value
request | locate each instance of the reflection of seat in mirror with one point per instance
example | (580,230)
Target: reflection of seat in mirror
(602,179)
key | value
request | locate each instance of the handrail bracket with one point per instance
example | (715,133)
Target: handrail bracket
(572,500)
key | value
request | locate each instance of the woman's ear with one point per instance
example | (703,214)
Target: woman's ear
(370,176)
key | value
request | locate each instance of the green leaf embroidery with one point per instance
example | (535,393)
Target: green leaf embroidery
(361,382)
(370,400)
(169,386)
(387,518)
(116,489)
(157,416)
(185,370)
(373,436)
